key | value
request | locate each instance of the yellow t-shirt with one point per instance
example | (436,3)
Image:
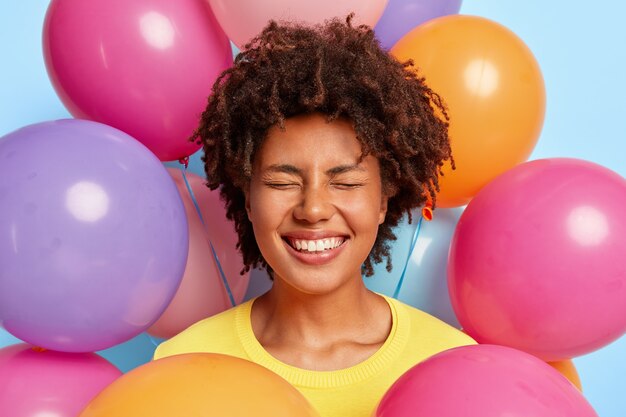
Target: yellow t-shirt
(351,392)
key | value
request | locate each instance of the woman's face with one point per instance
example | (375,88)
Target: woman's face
(314,208)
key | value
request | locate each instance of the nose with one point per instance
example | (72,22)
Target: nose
(315,205)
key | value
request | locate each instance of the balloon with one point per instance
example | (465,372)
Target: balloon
(485,381)
(425,282)
(202,293)
(260,283)
(568,370)
(243,19)
(495,93)
(537,259)
(200,384)
(36,382)
(143,66)
(400,16)
(93,236)
(125,356)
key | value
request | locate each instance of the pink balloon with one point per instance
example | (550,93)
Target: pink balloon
(145,67)
(483,381)
(243,19)
(537,259)
(202,292)
(36,383)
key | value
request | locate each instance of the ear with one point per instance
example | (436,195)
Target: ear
(383,208)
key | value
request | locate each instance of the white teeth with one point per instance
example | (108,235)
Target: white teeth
(317,245)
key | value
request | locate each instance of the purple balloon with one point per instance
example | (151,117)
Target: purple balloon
(401,16)
(93,236)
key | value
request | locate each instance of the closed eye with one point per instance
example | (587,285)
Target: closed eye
(281,185)
(347,185)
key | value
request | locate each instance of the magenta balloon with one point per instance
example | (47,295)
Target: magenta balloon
(402,16)
(537,259)
(93,236)
(143,66)
(483,381)
(35,383)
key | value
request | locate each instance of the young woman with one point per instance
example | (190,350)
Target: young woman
(320,142)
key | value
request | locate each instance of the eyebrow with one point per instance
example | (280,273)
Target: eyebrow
(290,169)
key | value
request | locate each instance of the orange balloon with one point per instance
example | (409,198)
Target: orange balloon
(568,370)
(494,91)
(200,384)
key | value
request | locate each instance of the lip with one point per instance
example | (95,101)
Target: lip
(315,258)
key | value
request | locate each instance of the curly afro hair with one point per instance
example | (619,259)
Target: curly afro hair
(340,71)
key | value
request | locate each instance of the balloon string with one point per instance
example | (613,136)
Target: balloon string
(213,252)
(408,258)
(153,340)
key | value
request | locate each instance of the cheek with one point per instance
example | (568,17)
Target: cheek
(363,214)
(266,211)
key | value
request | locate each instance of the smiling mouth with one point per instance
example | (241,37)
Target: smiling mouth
(315,246)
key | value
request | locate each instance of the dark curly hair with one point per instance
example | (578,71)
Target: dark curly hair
(340,71)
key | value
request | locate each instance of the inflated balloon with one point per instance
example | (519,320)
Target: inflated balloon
(143,66)
(537,259)
(494,91)
(401,16)
(568,370)
(125,356)
(243,19)
(202,292)
(200,384)
(260,283)
(35,382)
(485,381)
(424,282)
(93,236)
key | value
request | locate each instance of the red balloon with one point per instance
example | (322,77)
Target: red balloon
(35,382)
(145,67)
(483,381)
(537,259)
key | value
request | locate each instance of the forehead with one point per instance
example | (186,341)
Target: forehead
(309,140)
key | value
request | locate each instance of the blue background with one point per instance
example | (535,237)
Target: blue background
(579,46)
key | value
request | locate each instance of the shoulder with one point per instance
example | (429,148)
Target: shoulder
(428,331)
(215,334)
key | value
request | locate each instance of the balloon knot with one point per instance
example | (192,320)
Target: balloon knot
(427,212)
(184,161)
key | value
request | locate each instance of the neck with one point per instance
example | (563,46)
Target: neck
(349,312)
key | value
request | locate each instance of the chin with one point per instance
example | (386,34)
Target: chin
(314,282)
